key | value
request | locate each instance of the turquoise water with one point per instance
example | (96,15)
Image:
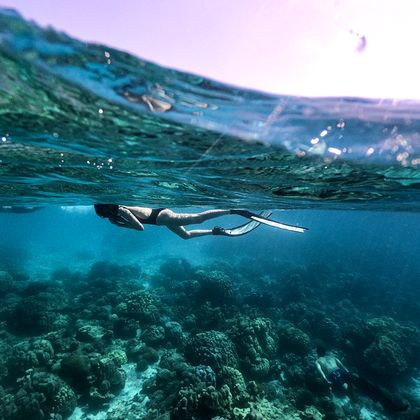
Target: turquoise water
(102,321)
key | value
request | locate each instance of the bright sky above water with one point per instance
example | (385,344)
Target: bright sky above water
(302,47)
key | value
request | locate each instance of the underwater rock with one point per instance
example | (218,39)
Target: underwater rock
(102,312)
(118,356)
(303,398)
(141,354)
(332,410)
(273,390)
(99,397)
(163,387)
(154,334)
(65,276)
(28,405)
(109,368)
(388,326)
(212,348)
(174,333)
(253,389)
(8,304)
(105,378)
(262,409)
(76,368)
(90,333)
(36,287)
(190,322)
(311,413)
(98,378)
(62,342)
(5,352)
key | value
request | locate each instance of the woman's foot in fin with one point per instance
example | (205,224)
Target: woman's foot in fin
(243,213)
(219,231)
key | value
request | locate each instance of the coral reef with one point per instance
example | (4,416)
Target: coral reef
(199,342)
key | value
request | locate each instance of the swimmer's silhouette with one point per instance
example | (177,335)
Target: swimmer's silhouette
(133,217)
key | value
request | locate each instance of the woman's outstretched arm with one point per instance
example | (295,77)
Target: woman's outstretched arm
(130,218)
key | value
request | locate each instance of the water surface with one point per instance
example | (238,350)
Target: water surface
(81,123)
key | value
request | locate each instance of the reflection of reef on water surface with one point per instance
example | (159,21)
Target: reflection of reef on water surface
(202,342)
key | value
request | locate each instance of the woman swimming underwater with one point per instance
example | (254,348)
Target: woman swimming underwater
(134,217)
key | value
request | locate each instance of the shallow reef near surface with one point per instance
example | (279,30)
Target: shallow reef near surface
(201,342)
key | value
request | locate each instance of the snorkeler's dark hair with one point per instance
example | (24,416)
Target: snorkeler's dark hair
(107,210)
(321,347)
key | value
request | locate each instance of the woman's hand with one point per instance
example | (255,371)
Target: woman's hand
(134,222)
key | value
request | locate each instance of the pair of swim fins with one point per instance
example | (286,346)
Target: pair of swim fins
(257,220)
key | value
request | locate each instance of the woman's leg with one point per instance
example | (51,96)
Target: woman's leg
(170,218)
(189,234)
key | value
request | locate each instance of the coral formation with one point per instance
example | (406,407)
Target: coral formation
(213,348)
(138,305)
(215,287)
(384,346)
(43,394)
(256,343)
(197,343)
(293,340)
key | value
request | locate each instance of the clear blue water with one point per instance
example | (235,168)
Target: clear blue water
(82,123)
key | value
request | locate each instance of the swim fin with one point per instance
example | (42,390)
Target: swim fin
(390,401)
(266,221)
(246,227)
